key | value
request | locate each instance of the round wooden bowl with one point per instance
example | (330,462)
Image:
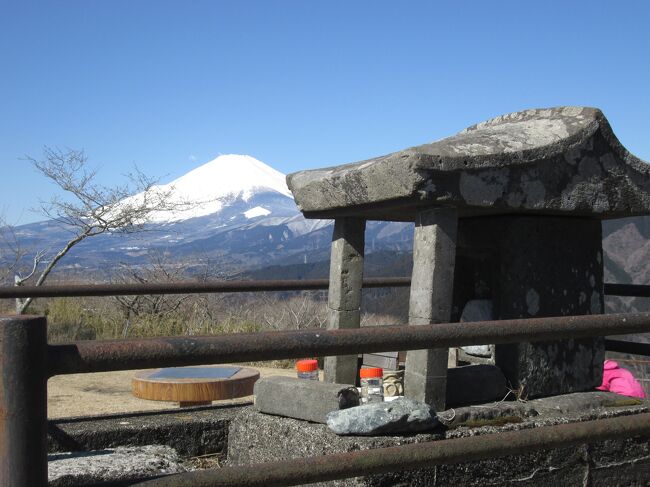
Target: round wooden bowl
(193,386)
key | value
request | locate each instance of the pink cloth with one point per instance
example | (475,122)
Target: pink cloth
(620,381)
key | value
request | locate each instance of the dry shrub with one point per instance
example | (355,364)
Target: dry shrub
(71,319)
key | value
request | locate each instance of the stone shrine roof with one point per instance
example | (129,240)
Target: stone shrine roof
(554,161)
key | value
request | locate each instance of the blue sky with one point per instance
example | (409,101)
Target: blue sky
(297,84)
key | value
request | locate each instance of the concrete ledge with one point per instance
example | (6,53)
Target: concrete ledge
(256,437)
(190,431)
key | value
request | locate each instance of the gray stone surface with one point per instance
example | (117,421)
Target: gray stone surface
(400,416)
(554,160)
(624,463)
(536,267)
(258,438)
(191,431)
(344,295)
(478,310)
(582,403)
(114,465)
(313,400)
(302,399)
(430,301)
(550,267)
(472,384)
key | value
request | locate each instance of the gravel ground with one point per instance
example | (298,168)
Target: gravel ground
(110,392)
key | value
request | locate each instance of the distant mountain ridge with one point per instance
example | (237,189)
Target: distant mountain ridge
(246,221)
(244,218)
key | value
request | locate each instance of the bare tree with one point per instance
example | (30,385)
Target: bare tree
(7,261)
(158,270)
(91,209)
(194,310)
(12,253)
(297,312)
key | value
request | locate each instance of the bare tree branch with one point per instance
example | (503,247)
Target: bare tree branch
(159,269)
(11,252)
(94,209)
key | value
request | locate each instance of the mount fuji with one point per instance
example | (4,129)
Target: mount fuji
(243,220)
(219,184)
(241,217)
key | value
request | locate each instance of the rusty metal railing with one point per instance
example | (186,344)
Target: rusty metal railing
(79,290)
(623,346)
(26,361)
(110,355)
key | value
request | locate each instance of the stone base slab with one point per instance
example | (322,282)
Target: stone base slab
(256,438)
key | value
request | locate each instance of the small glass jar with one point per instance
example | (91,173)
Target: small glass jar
(307,369)
(372,384)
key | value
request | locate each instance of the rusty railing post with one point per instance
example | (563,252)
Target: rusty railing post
(23,401)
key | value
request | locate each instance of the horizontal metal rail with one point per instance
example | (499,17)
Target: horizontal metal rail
(108,355)
(632,290)
(625,346)
(78,290)
(410,457)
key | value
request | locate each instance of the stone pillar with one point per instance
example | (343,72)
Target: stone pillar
(344,300)
(551,267)
(434,255)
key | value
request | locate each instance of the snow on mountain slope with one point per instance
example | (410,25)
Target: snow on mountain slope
(241,216)
(212,186)
(300,226)
(257,211)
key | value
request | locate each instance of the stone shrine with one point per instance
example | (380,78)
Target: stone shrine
(507,210)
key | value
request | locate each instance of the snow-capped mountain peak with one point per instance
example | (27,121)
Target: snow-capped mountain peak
(231,173)
(240,216)
(210,187)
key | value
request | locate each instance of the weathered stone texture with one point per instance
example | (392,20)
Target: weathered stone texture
(344,297)
(536,267)
(529,266)
(191,431)
(401,416)
(434,256)
(302,399)
(258,438)
(560,467)
(120,465)
(563,159)
(346,269)
(312,400)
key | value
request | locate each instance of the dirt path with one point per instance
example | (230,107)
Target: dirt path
(110,392)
